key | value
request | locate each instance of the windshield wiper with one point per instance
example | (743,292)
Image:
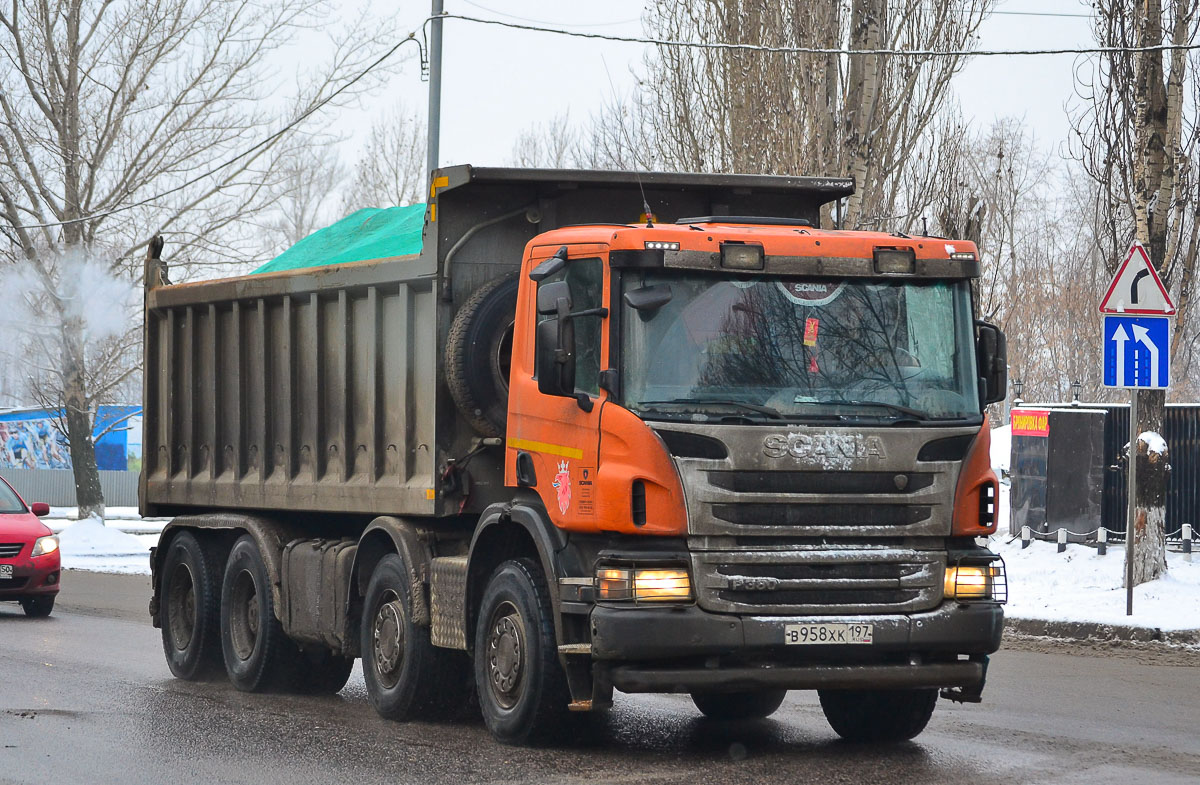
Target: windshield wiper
(766,411)
(916,414)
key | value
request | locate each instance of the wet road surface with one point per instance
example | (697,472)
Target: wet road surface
(85,696)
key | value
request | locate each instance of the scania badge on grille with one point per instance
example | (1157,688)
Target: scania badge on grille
(752,583)
(830,450)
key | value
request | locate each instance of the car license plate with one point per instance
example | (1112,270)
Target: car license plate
(827,634)
(5,571)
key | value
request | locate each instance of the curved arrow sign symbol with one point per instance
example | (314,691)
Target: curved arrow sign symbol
(1142,336)
(1133,287)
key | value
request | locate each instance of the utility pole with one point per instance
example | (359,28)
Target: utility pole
(435,89)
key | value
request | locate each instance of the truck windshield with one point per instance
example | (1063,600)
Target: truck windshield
(768,349)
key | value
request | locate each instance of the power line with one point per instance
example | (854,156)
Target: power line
(544,22)
(258,145)
(824,50)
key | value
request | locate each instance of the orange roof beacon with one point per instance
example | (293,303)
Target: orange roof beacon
(649,432)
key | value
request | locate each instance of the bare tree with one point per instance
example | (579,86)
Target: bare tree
(1135,139)
(311,197)
(794,113)
(391,167)
(108,113)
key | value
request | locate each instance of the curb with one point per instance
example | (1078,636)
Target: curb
(1095,631)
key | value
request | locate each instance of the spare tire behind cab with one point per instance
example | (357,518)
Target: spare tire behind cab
(479,352)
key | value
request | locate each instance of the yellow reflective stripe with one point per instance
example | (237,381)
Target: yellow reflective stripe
(549,449)
(433,212)
(438,182)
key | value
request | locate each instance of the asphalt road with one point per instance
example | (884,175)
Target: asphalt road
(85,697)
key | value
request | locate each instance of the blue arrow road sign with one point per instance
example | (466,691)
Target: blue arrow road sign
(1137,351)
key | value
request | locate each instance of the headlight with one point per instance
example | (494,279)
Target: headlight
(643,584)
(44,545)
(977,582)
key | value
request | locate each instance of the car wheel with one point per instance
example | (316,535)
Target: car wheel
(407,676)
(189,602)
(878,715)
(522,688)
(258,655)
(752,705)
(38,607)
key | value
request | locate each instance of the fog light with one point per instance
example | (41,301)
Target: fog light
(658,585)
(740,256)
(976,582)
(52,579)
(643,585)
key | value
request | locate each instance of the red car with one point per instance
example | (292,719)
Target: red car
(30,566)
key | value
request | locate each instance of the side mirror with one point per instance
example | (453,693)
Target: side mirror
(549,294)
(648,299)
(40,509)
(991,352)
(555,360)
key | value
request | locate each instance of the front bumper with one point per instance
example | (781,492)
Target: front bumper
(683,649)
(32,577)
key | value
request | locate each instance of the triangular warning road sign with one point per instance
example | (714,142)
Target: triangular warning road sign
(1136,288)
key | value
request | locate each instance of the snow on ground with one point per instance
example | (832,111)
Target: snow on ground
(120,546)
(1078,585)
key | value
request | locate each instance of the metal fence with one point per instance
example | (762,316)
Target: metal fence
(1035,477)
(57,486)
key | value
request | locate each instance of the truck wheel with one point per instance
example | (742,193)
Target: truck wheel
(321,672)
(522,688)
(38,607)
(258,655)
(407,677)
(739,705)
(478,355)
(878,715)
(190,608)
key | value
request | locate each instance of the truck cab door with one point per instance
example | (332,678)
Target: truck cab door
(552,441)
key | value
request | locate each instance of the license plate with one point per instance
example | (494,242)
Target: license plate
(5,571)
(827,634)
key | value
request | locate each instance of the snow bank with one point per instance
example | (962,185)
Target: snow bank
(90,545)
(1001,449)
(1080,586)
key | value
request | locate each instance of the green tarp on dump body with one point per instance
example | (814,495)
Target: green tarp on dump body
(370,233)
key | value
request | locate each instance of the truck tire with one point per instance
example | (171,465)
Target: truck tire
(522,688)
(478,355)
(321,672)
(407,677)
(739,705)
(258,654)
(38,607)
(190,608)
(878,715)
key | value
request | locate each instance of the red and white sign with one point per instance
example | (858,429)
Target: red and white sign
(1136,288)
(1030,422)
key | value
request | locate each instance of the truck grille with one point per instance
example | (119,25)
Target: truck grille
(10,549)
(819,581)
(825,515)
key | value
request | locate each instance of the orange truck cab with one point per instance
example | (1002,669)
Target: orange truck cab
(720,451)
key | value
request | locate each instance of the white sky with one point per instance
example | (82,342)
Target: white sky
(499,81)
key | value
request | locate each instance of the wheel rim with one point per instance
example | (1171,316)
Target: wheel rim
(388,639)
(181,610)
(243,615)
(506,655)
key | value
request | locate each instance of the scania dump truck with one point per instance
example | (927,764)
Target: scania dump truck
(578,445)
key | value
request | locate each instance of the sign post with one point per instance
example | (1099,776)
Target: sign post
(1137,354)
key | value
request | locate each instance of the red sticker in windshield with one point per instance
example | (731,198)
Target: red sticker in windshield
(810,331)
(811,292)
